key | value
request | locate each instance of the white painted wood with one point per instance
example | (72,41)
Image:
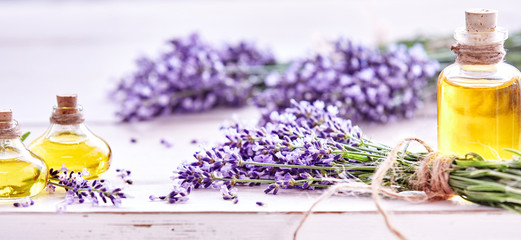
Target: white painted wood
(240,226)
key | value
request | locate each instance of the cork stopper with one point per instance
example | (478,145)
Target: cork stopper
(67,103)
(6,116)
(481,20)
(8,127)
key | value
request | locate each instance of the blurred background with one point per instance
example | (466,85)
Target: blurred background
(84,47)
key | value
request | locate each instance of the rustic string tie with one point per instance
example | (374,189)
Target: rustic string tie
(431,178)
(67,116)
(10,132)
(487,54)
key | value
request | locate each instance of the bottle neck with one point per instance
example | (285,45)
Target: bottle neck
(77,128)
(479,48)
(490,54)
(9,130)
(491,68)
(67,116)
(67,133)
(10,146)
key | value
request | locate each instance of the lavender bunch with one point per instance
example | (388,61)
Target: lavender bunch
(306,147)
(191,76)
(77,188)
(363,83)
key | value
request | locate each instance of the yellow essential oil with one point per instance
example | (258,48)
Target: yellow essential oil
(22,173)
(75,151)
(479,115)
(69,143)
(19,178)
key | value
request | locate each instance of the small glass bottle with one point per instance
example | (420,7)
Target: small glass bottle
(479,96)
(22,173)
(70,143)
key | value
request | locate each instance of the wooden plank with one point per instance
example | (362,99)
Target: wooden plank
(473,225)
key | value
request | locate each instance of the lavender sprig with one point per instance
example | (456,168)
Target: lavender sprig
(191,76)
(124,175)
(306,147)
(77,188)
(362,82)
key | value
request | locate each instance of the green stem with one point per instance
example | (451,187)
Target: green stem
(298,182)
(70,188)
(334,167)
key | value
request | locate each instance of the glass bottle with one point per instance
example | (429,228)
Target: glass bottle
(70,143)
(22,173)
(479,96)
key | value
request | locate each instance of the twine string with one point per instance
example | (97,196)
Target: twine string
(468,54)
(431,177)
(67,119)
(11,132)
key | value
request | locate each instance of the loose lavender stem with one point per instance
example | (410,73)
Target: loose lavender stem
(334,167)
(298,182)
(72,188)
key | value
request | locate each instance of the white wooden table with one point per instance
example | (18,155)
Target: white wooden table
(77,47)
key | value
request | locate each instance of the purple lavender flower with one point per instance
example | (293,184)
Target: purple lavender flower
(310,139)
(191,76)
(25,202)
(50,188)
(229,194)
(166,143)
(177,195)
(77,188)
(362,83)
(124,175)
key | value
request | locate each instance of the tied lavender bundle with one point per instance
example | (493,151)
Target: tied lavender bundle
(363,83)
(305,147)
(191,76)
(308,147)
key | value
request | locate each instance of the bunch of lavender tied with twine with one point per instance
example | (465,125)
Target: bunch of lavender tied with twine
(190,76)
(306,147)
(364,83)
(309,147)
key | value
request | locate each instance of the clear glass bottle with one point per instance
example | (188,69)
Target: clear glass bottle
(479,96)
(22,173)
(70,143)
